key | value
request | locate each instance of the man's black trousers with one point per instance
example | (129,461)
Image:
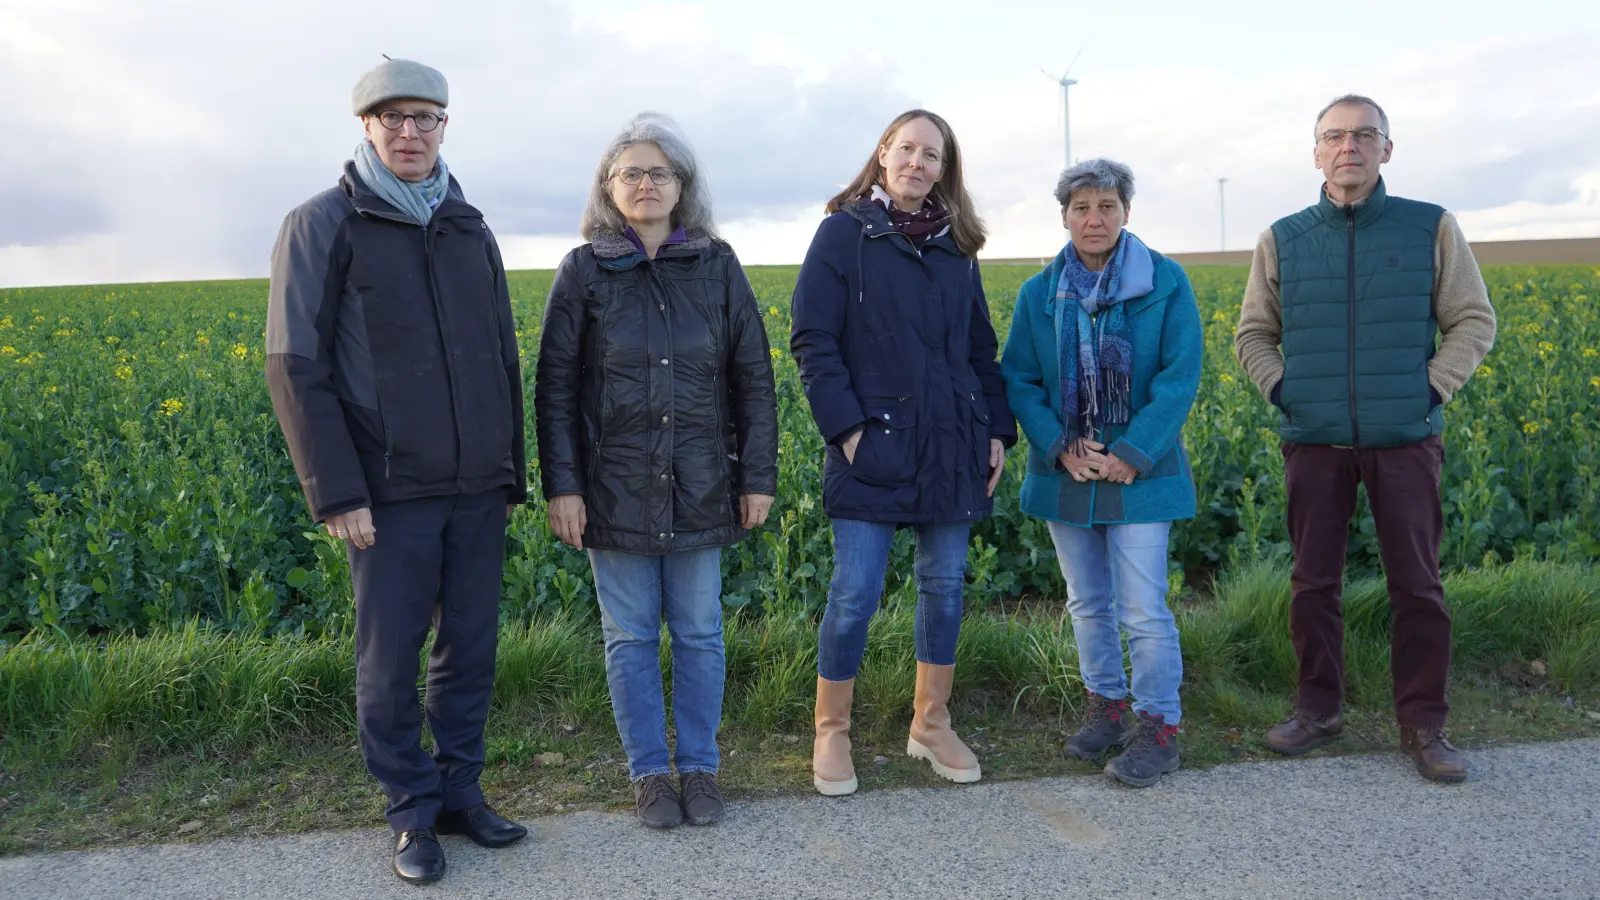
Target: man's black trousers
(436,563)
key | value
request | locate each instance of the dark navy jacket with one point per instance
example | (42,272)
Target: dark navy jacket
(392,354)
(898,342)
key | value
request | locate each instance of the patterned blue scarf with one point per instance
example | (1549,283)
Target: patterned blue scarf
(1097,371)
(416,200)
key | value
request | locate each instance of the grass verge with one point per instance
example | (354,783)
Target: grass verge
(196,733)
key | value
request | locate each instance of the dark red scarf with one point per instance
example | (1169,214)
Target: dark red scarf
(922,224)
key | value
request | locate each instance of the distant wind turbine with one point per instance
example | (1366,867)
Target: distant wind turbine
(1066,103)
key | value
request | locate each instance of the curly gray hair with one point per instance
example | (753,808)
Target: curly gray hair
(693,211)
(1096,175)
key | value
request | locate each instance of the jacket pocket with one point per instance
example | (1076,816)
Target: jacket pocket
(886,453)
(981,432)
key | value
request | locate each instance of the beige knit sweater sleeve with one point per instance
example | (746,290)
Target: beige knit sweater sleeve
(1461,306)
(1256,342)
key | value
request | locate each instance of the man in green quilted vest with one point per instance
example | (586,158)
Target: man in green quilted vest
(1364,314)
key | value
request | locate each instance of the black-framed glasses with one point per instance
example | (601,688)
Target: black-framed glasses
(394,119)
(1366,136)
(632,176)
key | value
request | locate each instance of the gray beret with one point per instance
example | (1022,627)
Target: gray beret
(399,79)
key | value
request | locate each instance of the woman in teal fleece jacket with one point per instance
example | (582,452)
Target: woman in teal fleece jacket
(1101,370)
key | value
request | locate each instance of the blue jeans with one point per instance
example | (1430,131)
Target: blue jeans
(1117,575)
(636,593)
(860,556)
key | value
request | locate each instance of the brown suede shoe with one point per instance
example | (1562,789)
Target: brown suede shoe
(1304,732)
(1437,758)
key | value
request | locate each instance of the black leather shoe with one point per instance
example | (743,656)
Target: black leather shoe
(483,825)
(418,858)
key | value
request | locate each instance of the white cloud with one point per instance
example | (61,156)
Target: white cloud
(167,138)
(1527,220)
(260,124)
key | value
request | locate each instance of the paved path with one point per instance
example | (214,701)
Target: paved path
(1526,825)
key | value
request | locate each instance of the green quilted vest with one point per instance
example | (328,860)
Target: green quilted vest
(1358,325)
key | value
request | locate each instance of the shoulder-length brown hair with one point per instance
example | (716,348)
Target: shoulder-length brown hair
(950,190)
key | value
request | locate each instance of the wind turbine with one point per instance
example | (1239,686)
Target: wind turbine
(1066,102)
(1222,211)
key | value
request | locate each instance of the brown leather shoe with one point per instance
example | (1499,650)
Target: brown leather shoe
(1304,732)
(1437,758)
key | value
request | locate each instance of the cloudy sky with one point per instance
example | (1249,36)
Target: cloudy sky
(165,139)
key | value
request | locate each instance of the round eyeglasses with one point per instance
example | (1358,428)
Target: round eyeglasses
(632,176)
(394,120)
(1366,136)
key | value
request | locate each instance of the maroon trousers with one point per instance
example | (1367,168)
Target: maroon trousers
(1403,491)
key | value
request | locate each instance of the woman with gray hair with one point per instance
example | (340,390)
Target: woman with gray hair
(1101,370)
(658,445)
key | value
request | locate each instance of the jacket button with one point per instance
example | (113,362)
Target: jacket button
(663,476)
(887,417)
(665,419)
(663,362)
(886,431)
(663,535)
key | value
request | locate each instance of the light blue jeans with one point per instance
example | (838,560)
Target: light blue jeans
(636,593)
(1117,576)
(860,556)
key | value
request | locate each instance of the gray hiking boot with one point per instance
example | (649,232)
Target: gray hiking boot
(1154,753)
(702,800)
(656,803)
(1107,724)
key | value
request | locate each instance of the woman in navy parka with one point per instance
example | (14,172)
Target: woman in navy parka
(898,358)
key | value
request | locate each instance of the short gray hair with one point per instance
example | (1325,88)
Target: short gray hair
(1096,175)
(1352,100)
(693,211)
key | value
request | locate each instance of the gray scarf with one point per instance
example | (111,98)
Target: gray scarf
(416,200)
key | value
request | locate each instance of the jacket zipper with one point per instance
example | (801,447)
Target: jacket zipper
(1350,350)
(670,391)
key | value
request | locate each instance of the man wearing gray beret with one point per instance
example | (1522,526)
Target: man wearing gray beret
(392,362)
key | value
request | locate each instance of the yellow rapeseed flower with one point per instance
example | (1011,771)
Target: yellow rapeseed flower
(1226,378)
(1530,427)
(1590,353)
(51,389)
(123,372)
(171,406)
(777,354)
(6,323)
(1546,347)
(772,310)
(1485,371)
(1595,382)
(8,351)
(240,351)
(113,339)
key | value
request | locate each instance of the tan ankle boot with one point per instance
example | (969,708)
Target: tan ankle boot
(931,736)
(832,773)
